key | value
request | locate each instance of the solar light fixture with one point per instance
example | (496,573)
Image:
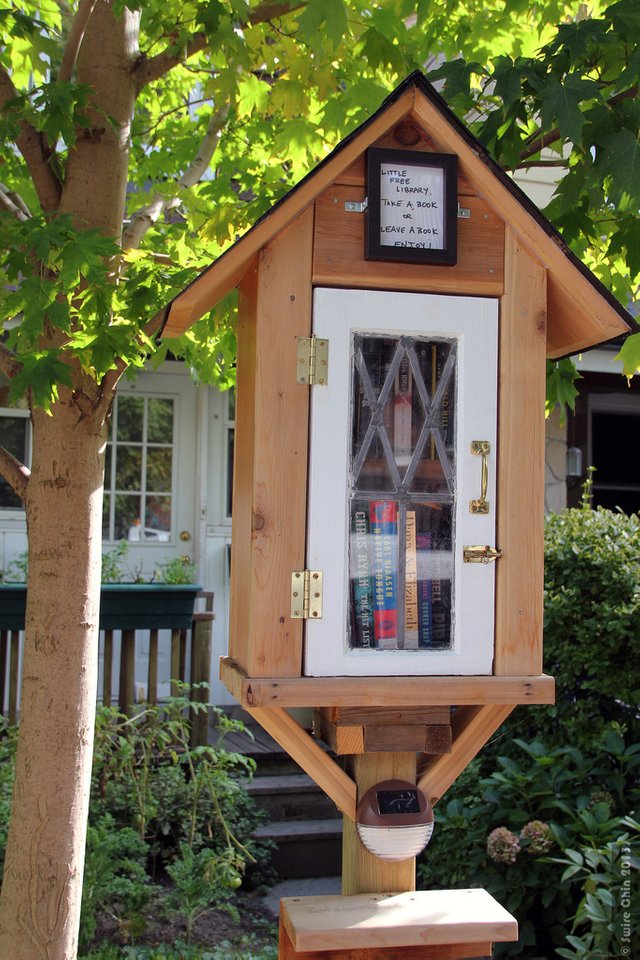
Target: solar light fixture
(394,820)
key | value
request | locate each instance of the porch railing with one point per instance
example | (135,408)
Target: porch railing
(190,659)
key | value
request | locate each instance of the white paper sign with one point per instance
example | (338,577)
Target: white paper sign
(411,206)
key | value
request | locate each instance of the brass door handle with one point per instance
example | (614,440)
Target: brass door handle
(481,448)
(481,554)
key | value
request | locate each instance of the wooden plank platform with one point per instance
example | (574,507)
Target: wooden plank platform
(381,691)
(378,921)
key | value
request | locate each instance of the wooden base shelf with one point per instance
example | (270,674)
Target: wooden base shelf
(421,925)
(382,691)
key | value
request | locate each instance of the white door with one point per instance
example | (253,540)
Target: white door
(412,385)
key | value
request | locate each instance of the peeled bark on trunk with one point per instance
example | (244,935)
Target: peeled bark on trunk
(41,892)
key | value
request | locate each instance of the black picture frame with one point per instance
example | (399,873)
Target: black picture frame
(411,217)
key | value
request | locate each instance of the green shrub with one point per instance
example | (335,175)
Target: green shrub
(607,921)
(147,775)
(8,742)
(115,880)
(507,832)
(592,623)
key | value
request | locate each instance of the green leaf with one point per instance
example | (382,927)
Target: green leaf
(561,103)
(324,16)
(622,160)
(41,374)
(253,95)
(629,355)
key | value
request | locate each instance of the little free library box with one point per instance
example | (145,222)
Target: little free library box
(395,312)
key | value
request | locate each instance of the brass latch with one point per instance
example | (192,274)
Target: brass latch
(306,595)
(481,554)
(313,361)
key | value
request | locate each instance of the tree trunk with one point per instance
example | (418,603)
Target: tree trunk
(42,886)
(42,883)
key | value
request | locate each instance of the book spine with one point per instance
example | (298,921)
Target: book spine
(425,609)
(411,630)
(384,531)
(439,603)
(402,401)
(361,582)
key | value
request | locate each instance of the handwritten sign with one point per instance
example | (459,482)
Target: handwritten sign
(411,206)
(411,212)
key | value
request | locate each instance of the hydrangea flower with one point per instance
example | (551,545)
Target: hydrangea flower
(503,845)
(537,836)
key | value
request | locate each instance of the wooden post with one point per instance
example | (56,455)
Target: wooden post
(107,667)
(361,871)
(127,670)
(4,634)
(200,668)
(152,669)
(175,662)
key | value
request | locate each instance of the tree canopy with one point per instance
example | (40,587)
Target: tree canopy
(139,140)
(232,103)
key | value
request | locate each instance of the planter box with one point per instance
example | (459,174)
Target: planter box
(123,606)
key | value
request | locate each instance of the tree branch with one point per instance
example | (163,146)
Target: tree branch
(147,70)
(13,203)
(535,146)
(146,216)
(14,472)
(34,148)
(75,38)
(9,363)
(111,377)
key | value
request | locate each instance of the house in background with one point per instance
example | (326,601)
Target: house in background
(168,489)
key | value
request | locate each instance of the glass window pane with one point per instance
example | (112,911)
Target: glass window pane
(13,436)
(128,468)
(157,522)
(127,511)
(159,420)
(402,493)
(230,455)
(106,506)
(130,418)
(159,461)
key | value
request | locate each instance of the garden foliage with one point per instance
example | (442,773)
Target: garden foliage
(546,817)
(160,809)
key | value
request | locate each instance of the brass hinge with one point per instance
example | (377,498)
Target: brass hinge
(313,361)
(480,554)
(306,595)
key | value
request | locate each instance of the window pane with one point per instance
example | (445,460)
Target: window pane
(160,421)
(403,489)
(130,418)
(157,523)
(159,460)
(128,468)
(127,511)
(106,507)
(13,436)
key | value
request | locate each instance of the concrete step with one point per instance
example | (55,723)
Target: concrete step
(305,848)
(291,796)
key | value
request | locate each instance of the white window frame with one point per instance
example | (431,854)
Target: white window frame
(473,321)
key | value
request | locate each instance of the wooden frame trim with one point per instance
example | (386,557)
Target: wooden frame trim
(302,748)
(521,459)
(254,692)
(270,470)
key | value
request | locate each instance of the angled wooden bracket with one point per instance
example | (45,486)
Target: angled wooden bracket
(302,748)
(472,727)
